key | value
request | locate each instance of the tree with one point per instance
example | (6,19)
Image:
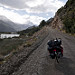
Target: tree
(42,23)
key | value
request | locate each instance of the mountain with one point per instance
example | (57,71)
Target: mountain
(24,26)
(31,27)
(8,26)
(5,27)
(65,17)
(48,22)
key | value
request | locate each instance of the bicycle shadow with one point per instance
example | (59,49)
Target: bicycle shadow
(66,66)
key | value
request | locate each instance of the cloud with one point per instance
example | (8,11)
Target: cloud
(22,19)
(17,4)
(45,6)
(11,8)
(34,6)
(15,17)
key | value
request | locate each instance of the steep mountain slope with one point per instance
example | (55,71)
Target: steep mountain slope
(8,26)
(65,17)
(4,27)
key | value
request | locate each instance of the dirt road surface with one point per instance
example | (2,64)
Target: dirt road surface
(39,62)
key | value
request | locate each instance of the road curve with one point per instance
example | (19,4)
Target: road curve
(39,62)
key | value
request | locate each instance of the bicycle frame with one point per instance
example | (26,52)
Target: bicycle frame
(56,55)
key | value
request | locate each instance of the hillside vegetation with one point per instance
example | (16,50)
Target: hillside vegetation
(67,15)
(31,30)
(27,38)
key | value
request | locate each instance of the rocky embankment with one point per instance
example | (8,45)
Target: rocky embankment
(20,57)
(57,23)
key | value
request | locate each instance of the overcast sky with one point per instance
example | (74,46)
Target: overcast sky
(25,11)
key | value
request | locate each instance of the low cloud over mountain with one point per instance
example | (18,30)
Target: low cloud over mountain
(8,26)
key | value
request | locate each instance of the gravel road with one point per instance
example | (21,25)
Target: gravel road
(39,62)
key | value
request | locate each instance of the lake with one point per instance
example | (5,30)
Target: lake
(2,36)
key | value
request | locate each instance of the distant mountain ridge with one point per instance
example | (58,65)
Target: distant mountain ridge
(5,27)
(8,26)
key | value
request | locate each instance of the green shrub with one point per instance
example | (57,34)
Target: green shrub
(29,31)
(60,10)
(69,25)
(42,23)
(1,40)
(8,45)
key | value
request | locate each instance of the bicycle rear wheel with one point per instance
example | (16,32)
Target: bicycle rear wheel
(57,59)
